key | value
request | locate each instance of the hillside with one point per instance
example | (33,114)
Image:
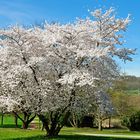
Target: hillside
(128,84)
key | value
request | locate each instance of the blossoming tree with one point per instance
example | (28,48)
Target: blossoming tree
(56,70)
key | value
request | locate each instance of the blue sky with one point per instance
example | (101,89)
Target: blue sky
(30,12)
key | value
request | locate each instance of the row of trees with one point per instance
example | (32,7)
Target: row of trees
(59,70)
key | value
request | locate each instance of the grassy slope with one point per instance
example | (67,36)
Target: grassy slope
(66,134)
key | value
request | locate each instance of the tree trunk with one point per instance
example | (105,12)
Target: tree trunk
(100,124)
(16,121)
(55,124)
(39,124)
(2,119)
(25,125)
(109,123)
(73,121)
(55,121)
(26,120)
(54,132)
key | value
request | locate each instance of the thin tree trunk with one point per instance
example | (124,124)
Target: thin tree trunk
(26,119)
(45,123)
(100,124)
(16,121)
(74,120)
(39,124)
(2,119)
(109,123)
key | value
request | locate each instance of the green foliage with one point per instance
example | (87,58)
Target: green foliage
(125,95)
(132,122)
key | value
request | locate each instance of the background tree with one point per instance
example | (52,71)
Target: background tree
(105,108)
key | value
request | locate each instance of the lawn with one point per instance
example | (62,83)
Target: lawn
(66,134)
(8,121)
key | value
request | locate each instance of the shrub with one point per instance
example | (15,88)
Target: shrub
(87,121)
(132,122)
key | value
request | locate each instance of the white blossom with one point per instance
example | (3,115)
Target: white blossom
(39,68)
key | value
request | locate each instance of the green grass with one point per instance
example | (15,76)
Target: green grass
(9,121)
(8,132)
(73,130)
(66,134)
(12,133)
(132,91)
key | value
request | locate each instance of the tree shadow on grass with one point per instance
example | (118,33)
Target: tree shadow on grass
(10,126)
(70,137)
